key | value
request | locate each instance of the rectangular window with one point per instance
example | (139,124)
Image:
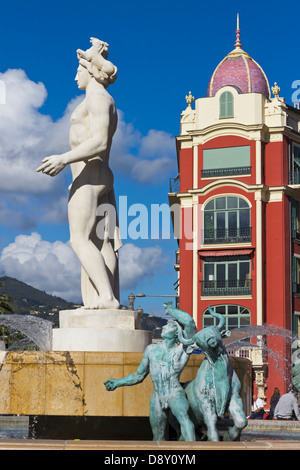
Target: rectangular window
(232,221)
(232,272)
(220,219)
(220,272)
(209,273)
(209,224)
(295,176)
(244,218)
(296,274)
(226,161)
(228,157)
(233,323)
(295,219)
(226,276)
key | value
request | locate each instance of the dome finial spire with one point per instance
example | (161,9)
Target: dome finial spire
(238,31)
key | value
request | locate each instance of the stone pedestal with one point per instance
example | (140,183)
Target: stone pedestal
(100,330)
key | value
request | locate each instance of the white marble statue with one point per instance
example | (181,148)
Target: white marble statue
(93,124)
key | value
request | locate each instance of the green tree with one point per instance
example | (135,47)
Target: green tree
(5,307)
(5,303)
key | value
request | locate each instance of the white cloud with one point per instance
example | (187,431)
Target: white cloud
(51,267)
(27,136)
(157,143)
(138,264)
(54,267)
(146,159)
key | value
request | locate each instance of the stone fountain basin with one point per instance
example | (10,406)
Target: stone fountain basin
(71,383)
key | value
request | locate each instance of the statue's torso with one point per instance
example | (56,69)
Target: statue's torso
(165,369)
(80,131)
(79,128)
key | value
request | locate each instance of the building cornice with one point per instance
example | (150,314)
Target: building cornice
(262,191)
(250,132)
(200,136)
(226,182)
(287,131)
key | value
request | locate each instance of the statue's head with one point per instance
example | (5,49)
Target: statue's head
(170,330)
(210,338)
(94,60)
(82,77)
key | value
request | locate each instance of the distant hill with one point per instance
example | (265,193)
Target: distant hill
(154,324)
(27,300)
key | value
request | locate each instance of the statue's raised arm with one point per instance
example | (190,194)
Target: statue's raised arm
(183,318)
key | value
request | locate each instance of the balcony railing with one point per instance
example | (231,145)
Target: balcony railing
(241,170)
(226,235)
(226,288)
(174,184)
(239,352)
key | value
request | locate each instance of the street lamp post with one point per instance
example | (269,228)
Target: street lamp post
(149,295)
(131,299)
(176,297)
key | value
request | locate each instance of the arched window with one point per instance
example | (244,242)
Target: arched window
(236,316)
(226,104)
(227,220)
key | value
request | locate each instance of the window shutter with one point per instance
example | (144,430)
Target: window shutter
(226,104)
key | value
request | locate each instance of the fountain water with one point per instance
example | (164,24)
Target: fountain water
(261,333)
(36,329)
(251,331)
(266,343)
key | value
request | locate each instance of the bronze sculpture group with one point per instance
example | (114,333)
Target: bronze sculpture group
(214,392)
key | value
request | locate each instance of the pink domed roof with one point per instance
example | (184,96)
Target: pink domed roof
(238,69)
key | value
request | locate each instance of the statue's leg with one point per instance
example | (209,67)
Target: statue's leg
(237,413)
(104,236)
(158,419)
(110,256)
(180,409)
(175,425)
(210,419)
(82,216)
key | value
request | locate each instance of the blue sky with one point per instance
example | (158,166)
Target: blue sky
(162,50)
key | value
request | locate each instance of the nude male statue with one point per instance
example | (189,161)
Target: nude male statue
(165,362)
(93,124)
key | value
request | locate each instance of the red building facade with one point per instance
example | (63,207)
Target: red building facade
(239,191)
